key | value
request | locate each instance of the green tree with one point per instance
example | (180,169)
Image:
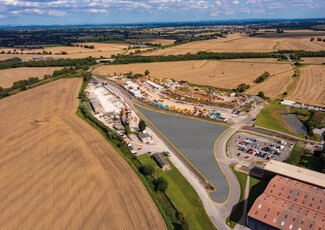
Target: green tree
(147,72)
(127,130)
(147,169)
(261,94)
(242,87)
(161,184)
(142,125)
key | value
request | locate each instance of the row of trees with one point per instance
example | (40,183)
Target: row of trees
(126,59)
(77,63)
(262,77)
(23,84)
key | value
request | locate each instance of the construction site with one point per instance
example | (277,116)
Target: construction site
(181,97)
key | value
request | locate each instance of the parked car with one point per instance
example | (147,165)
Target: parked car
(247,157)
(139,148)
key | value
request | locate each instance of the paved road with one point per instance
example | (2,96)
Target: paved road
(194,139)
(217,212)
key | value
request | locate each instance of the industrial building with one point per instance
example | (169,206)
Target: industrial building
(154,85)
(288,204)
(95,105)
(130,85)
(144,137)
(273,168)
(161,161)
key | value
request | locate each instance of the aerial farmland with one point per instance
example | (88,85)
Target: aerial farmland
(58,170)
(221,74)
(9,76)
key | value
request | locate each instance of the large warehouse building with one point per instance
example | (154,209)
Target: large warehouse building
(294,199)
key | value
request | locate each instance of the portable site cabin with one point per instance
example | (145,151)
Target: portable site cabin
(161,161)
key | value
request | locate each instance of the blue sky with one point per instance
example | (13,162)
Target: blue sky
(47,12)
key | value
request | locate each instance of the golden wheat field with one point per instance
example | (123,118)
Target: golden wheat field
(313,60)
(273,86)
(310,88)
(101,49)
(9,76)
(243,43)
(57,172)
(204,72)
(153,41)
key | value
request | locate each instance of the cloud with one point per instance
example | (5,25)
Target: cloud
(57,13)
(235,2)
(102,11)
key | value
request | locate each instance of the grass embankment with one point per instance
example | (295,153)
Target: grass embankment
(269,117)
(256,188)
(182,194)
(237,211)
(302,158)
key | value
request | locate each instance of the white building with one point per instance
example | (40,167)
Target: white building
(131,85)
(154,85)
(288,103)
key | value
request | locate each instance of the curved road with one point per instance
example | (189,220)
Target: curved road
(217,212)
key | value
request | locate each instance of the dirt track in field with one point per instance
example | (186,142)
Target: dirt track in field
(9,76)
(311,86)
(57,172)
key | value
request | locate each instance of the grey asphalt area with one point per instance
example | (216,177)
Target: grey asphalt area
(195,139)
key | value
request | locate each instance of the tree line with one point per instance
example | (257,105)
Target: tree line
(82,63)
(24,84)
(126,59)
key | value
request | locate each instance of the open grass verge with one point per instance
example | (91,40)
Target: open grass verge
(237,211)
(182,194)
(300,157)
(269,118)
(295,155)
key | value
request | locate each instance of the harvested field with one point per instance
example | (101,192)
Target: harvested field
(311,86)
(9,76)
(153,41)
(273,86)
(101,49)
(242,43)
(313,60)
(59,173)
(216,73)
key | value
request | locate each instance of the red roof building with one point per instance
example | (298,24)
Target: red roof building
(288,204)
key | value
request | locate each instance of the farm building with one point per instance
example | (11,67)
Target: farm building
(288,204)
(144,137)
(273,168)
(161,161)
(154,85)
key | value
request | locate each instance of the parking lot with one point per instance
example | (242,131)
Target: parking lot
(251,148)
(195,140)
